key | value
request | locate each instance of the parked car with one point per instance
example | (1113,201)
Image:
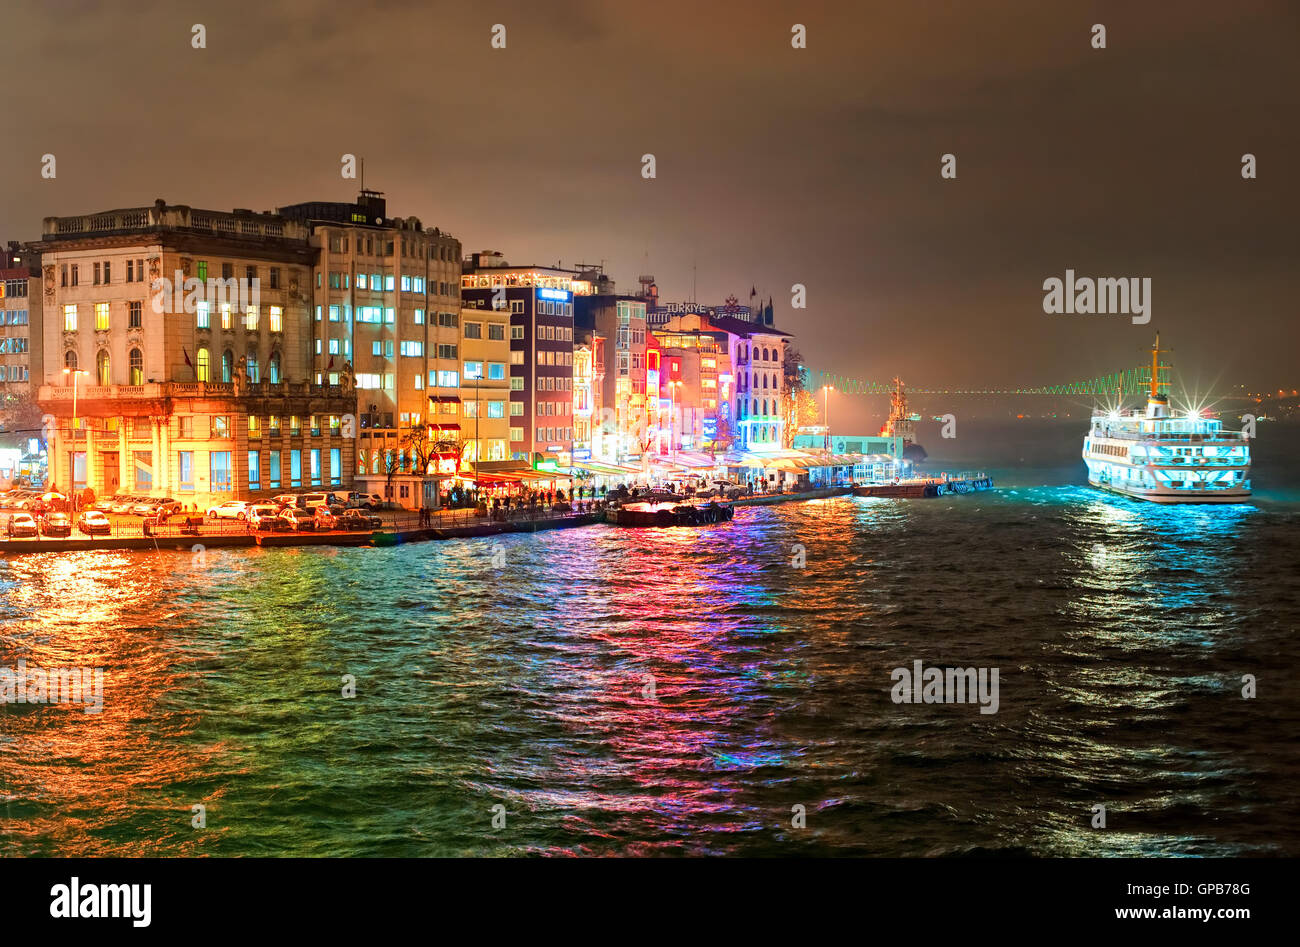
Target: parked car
(312,500)
(106,504)
(92,522)
(285,499)
(122,503)
(298,520)
(325,518)
(57,524)
(230,510)
(263,515)
(356,519)
(153,506)
(366,501)
(21,524)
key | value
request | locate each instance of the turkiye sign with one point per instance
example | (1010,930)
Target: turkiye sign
(658,315)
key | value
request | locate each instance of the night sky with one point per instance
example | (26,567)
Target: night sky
(775,165)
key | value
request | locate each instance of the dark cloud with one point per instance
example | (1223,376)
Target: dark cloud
(776,166)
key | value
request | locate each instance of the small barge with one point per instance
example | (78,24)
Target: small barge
(929,487)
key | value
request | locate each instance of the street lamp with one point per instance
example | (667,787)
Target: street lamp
(72,474)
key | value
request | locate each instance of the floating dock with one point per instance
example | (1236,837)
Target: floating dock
(669,514)
(927,488)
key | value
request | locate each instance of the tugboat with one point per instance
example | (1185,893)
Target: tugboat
(902,424)
(1156,456)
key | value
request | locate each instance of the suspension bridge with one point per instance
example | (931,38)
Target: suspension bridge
(1132,381)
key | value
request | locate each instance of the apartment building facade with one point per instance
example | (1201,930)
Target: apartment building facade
(629,392)
(385,318)
(540,304)
(21,340)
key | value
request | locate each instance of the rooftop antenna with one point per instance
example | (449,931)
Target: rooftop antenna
(362,162)
(694,298)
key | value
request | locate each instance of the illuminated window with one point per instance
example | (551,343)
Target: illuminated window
(251,318)
(201,315)
(137,367)
(70,318)
(201,367)
(277,318)
(102,368)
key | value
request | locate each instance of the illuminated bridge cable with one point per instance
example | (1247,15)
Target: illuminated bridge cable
(1130,381)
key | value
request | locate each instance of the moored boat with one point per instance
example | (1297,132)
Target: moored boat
(669,514)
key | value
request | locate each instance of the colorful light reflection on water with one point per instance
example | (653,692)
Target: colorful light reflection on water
(1121,630)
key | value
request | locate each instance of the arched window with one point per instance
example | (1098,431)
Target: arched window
(764,381)
(202,367)
(103,371)
(70,360)
(137,367)
(227,366)
(251,363)
(754,409)
(765,354)
(273,369)
(361,462)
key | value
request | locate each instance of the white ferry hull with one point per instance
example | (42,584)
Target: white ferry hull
(1170,496)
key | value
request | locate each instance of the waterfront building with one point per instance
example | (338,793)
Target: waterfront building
(630,411)
(484,397)
(21,341)
(697,385)
(385,325)
(176,357)
(588,404)
(539,301)
(757,351)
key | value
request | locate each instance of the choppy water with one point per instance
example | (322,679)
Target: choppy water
(1121,631)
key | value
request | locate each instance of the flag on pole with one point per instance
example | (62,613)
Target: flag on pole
(187,357)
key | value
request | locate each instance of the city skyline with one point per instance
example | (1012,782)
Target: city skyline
(838,189)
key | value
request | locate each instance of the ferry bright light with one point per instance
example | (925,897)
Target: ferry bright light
(1166,458)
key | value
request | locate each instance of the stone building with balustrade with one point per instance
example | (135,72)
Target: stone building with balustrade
(198,395)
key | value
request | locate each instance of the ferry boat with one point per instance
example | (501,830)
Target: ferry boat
(1154,455)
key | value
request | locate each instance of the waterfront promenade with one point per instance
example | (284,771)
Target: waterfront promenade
(397,527)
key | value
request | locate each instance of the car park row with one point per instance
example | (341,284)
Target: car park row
(25,514)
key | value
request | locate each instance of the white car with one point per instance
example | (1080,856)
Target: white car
(92,522)
(260,512)
(22,524)
(230,510)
